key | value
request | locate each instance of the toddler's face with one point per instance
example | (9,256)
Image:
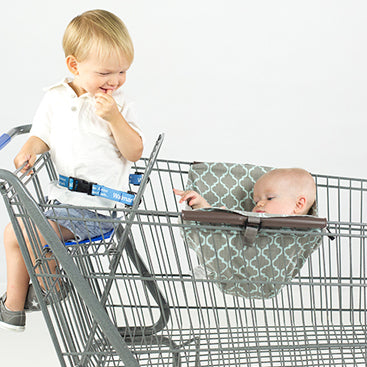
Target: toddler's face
(99,75)
(274,196)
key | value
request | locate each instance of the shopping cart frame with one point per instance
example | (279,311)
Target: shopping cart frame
(317,319)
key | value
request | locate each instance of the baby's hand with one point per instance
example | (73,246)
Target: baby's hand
(106,106)
(193,199)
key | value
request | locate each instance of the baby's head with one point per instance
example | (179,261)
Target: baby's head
(285,191)
(97,31)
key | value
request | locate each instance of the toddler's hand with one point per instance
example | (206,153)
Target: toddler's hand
(22,158)
(106,106)
(193,199)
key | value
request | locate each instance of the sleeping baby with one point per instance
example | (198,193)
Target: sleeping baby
(287,191)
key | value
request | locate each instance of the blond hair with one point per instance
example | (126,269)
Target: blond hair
(99,30)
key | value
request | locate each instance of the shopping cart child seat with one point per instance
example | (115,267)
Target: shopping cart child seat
(258,261)
(102,237)
(135,180)
(90,270)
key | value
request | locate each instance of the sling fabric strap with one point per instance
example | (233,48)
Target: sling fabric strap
(90,188)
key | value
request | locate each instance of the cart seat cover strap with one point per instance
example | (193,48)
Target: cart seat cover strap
(255,270)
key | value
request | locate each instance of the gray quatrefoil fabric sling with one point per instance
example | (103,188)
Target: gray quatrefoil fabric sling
(245,254)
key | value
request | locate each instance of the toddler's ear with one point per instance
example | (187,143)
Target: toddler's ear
(300,205)
(72,64)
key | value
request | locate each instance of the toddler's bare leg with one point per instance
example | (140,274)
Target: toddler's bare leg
(17,274)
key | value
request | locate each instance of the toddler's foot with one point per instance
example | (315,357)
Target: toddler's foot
(32,304)
(11,320)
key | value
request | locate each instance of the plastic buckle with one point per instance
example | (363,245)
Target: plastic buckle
(252,227)
(79,185)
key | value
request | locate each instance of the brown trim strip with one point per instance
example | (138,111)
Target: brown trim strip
(232,218)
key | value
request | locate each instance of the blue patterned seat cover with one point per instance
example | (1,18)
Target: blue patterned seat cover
(258,270)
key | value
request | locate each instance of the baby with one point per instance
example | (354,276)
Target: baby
(287,191)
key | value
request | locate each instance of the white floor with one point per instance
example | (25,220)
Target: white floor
(33,347)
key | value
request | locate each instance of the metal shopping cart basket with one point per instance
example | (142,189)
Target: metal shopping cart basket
(136,299)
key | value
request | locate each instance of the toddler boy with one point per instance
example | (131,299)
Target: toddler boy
(89,128)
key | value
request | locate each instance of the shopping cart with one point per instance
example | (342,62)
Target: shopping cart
(135,299)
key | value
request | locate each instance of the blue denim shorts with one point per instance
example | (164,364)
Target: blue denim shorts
(82,229)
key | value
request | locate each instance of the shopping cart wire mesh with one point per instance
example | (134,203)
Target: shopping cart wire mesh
(135,299)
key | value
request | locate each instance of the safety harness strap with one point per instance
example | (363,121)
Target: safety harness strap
(91,188)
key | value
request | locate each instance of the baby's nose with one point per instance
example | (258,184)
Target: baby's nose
(260,204)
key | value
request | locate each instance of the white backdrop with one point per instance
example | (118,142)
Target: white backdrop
(279,83)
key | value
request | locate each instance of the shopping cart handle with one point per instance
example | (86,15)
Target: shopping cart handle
(18,130)
(4,140)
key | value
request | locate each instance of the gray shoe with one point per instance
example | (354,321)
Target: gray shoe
(11,320)
(32,304)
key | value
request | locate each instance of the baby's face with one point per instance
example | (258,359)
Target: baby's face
(273,195)
(99,75)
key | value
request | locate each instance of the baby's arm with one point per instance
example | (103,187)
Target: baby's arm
(128,141)
(193,199)
(32,147)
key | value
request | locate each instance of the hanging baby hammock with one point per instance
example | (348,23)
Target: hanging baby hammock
(247,254)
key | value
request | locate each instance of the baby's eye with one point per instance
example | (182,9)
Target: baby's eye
(270,198)
(103,74)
